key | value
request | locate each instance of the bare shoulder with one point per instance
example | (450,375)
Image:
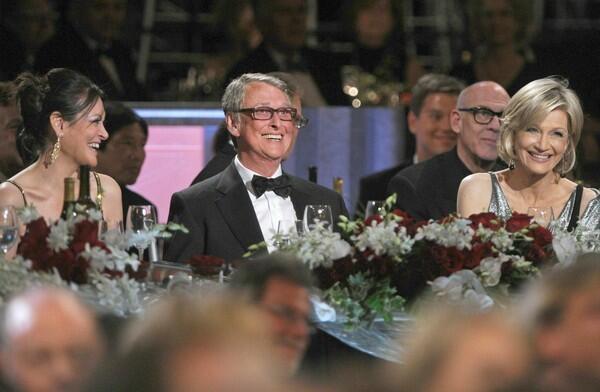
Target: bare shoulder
(474,194)
(10,195)
(112,205)
(109,184)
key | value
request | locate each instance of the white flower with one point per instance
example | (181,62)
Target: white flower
(318,247)
(462,286)
(456,233)
(98,257)
(490,270)
(501,239)
(27,214)
(383,239)
(59,236)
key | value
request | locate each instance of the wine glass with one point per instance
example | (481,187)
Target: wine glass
(142,218)
(375,207)
(9,228)
(314,213)
(543,216)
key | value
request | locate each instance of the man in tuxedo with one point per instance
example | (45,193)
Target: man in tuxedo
(283,26)
(89,43)
(428,189)
(433,99)
(244,204)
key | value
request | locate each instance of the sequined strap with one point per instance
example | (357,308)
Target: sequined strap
(99,191)
(20,190)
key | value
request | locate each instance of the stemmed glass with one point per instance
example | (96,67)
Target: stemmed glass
(9,228)
(314,213)
(543,216)
(140,219)
(374,207)
(288,227)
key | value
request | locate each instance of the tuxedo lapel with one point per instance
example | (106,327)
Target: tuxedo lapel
(236,208)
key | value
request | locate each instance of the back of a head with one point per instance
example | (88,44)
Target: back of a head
(61,90)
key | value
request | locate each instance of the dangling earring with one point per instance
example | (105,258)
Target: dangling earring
(511,164)
(54,154)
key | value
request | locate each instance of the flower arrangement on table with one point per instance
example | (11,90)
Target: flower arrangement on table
(70,253)
(378,264)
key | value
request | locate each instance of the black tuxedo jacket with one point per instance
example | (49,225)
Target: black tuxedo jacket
(221,220)
(325,69)
(428,189)
(217,164)
(67,49)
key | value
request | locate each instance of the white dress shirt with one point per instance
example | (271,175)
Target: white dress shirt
(269,208)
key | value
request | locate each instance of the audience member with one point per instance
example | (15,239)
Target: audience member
(540,131)
(122,155)
(502,31)
(63,115)
(25,26)
(428,190)
(280,285)
(50,342)
(561,311)
(89,43)
(283,26)
(224,146)
(185,343)
(240,207)
(379,47)
(433,99)
(10,124)
(456,349)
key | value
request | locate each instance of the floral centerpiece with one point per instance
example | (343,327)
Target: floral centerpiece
(71,253)
(378,264)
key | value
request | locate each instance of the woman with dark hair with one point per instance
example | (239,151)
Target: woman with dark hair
(63,116)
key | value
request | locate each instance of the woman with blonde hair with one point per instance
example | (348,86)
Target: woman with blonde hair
(540,129)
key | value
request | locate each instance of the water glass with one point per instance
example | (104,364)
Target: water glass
(9,228)
(314,213)
(543,216)
(141,218)
(375,207)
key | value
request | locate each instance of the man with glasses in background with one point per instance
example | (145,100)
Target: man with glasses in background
(428,190)
(244,204)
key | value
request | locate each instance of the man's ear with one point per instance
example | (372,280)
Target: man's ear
(412,122)
(57,123)
(233,126)
(455,121)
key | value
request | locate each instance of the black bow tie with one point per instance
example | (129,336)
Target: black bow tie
(280,185)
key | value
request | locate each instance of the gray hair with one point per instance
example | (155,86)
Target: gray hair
(236,90)
(530,105)
(431,84)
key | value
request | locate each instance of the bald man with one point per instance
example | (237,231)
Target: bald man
(50,342)
(428,190)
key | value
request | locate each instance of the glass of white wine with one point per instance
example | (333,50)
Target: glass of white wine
(543,216)
(314,213)
(139,219)
(9,228)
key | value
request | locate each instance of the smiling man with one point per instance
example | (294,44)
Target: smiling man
(428,190)
(243,204)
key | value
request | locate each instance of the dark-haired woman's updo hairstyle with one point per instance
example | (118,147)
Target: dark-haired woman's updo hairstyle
(61,90)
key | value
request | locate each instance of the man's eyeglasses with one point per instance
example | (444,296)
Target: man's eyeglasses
(266,113)
(481,115)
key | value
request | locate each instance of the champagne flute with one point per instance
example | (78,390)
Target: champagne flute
(375,207)
(9,228)
(543,216)
(314,213)
(142,218)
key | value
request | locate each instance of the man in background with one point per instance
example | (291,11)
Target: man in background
(280,285)
(10,124)
(49,342)
(428,190)
(433,99)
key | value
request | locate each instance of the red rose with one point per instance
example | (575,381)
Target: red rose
(488,220)
(541,236)
(373,218)
(205,264)
(517,222)
(478,252)
(445,261)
